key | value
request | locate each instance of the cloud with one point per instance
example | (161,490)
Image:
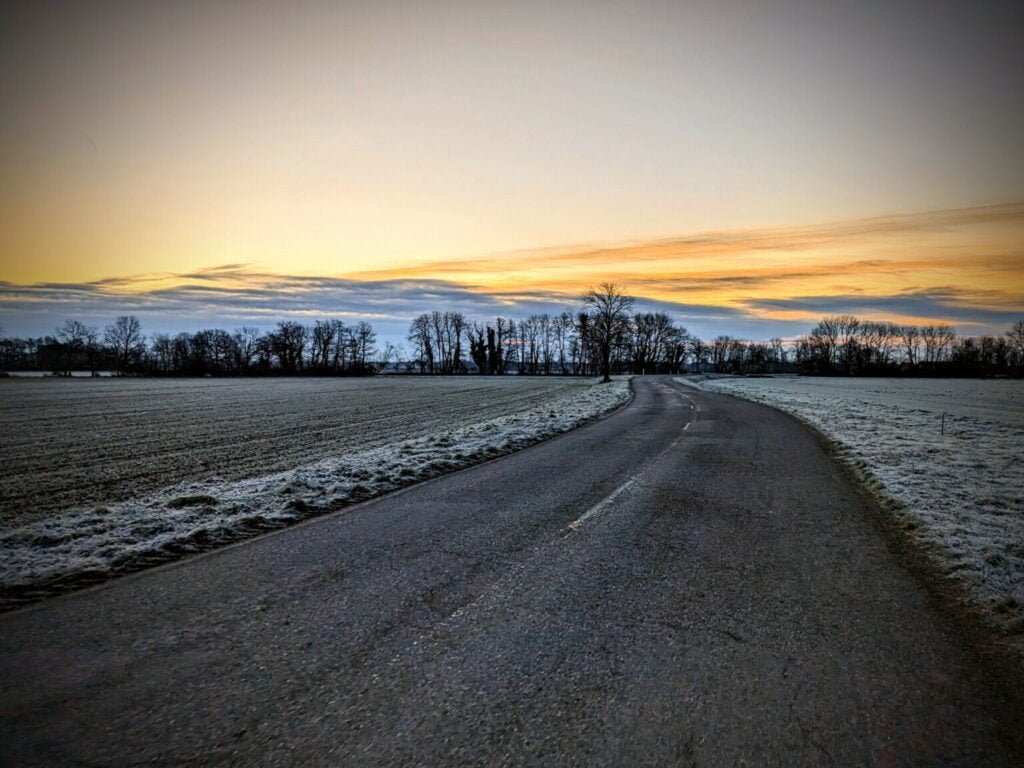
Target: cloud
(753,283)
(679,251)
(232,295)
(789,276)
(971,311)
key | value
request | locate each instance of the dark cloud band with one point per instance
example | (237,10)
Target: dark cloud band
(233,295)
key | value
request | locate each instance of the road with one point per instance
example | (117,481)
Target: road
(690,581)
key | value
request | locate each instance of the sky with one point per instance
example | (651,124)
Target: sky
(747,167)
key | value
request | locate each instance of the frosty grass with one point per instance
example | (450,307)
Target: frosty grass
(89,543)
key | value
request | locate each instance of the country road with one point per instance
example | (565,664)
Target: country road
(690,581)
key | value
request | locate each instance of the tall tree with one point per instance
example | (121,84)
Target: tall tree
(246,345)
(1016,337)
(364,341)
(608,306)
(73,336)
(937,341)
(288,344)
(910,337)
(125,338)
(421,338)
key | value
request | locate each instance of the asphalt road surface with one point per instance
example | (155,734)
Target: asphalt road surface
(690,581)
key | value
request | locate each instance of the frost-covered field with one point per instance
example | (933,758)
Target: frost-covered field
(68,443)
(110,476)
(962,491)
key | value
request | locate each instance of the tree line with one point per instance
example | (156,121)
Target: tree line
(847,345)
(328,347)
(604,335)
(601,337)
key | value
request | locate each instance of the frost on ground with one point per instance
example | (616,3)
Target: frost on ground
(90,543)
(71,443)
(949,452)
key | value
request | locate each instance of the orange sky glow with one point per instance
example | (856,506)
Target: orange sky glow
(748,167)
(979,251)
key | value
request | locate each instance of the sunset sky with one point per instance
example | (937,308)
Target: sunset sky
(747,167)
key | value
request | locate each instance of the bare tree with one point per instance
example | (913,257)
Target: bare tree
(223,354)
(288,343)
(563,330)
(73,336)
(910,337)
(421,338)
(246,346)
(937,341)
(162,353)
(392,354)
(476,335)
(699,353)
(645,341)
(320,344)
(847,327)
(364,341)
(778,354)
(1016,337)
(93,349)
(342,335)
(608,306)
(720,353)
(125,338)
(824,341)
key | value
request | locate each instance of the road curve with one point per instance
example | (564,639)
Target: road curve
(687,582)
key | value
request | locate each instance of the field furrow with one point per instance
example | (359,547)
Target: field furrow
(77,442)
(88,501)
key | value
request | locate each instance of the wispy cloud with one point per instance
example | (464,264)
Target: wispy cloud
(964,266)
(795,273)
(950,305)
(710,247)
(234,295)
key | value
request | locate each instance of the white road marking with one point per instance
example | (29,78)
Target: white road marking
(509,580)
(575,525)
(688,399)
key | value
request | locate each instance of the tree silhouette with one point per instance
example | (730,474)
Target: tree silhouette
(73,336)
(125,338)
(608,306)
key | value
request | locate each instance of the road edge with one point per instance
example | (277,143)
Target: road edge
(999,663)
(91,582)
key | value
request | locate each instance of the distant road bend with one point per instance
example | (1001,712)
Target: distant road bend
(687,582)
